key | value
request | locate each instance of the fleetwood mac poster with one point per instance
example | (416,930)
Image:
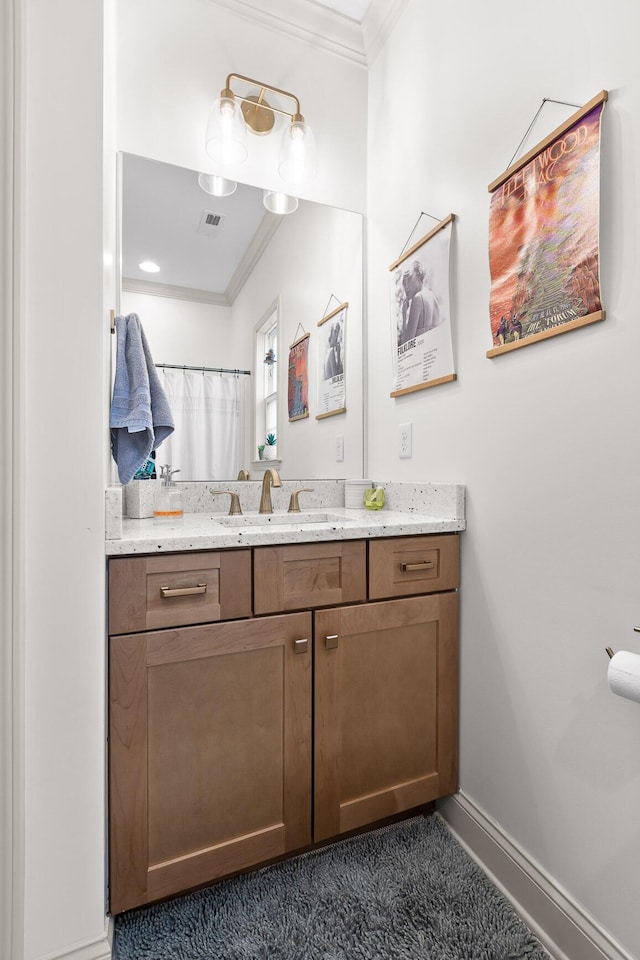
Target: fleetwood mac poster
(298,380)
(544,236)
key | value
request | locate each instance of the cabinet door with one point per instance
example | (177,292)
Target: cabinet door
(210,753)
(386,705)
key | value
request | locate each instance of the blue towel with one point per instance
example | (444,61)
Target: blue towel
(140,415)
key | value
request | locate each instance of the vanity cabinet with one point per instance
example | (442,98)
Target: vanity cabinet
(226,750)
(210,752)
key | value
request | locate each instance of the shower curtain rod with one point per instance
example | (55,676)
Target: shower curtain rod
(182,366)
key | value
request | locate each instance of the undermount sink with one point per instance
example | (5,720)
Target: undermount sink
(273,519)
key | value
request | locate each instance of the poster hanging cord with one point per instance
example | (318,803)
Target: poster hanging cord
(530,127)
(304,333)
(423,214)
(332,297)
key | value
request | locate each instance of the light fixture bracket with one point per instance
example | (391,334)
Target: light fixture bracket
(258,113)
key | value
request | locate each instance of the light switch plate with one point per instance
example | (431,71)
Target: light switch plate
(339,448)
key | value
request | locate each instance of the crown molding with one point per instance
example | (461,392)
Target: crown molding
(173,292)
(378,23)
(261,239)
(307,21)
(322,27)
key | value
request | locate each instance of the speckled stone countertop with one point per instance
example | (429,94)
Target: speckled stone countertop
(410,509)
(201,531)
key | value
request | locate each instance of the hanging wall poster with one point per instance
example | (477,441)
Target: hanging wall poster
(421,346)
(298,383)
(544,236)
(331,361)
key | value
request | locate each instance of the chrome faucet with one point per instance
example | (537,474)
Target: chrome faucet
(271,476)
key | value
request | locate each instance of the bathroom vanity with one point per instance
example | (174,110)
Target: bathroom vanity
(278,687)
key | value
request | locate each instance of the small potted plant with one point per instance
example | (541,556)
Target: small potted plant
(261,451)
(269,452)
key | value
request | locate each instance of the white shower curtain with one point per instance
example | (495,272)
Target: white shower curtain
(208,410)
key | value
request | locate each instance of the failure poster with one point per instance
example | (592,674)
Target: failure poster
(331,363)
(421,344)
(298,379)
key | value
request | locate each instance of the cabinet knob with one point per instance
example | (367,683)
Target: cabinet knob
(331,642)
(300,646)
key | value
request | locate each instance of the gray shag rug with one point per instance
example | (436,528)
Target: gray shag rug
(404,892)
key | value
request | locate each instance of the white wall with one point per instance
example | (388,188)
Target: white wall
(545,438)
(184,331)
(60,466)
(315,253)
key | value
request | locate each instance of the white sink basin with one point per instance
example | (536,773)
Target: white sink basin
(274,519)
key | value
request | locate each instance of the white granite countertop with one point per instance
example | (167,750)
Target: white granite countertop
(209,531)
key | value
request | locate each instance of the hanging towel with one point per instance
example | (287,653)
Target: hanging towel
(140,415)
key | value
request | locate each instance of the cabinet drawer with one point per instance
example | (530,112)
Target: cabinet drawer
(309,575)
(146,593)
(401,566)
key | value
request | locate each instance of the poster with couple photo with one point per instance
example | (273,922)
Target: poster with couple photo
(331,363)
(421,343)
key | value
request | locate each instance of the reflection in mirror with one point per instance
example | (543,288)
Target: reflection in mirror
(224,263)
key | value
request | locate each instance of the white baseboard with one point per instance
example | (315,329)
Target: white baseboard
(95,950)
(561,925)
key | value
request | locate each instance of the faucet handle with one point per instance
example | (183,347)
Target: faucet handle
(235,507)
(294,506)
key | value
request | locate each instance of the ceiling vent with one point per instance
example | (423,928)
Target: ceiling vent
(211,223)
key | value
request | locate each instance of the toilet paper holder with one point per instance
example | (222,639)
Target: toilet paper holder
(610,652)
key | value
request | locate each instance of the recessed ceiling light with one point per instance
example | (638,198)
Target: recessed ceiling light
(149,266)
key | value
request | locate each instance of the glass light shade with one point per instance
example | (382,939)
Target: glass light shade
(298,153)
(226,136)
(279,202)
(217,186)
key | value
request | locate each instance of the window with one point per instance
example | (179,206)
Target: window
(266,379)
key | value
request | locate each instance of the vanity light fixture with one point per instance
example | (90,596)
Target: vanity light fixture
(231,115)
(217,186)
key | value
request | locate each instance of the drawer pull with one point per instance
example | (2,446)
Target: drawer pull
(166,592)
(423,565)
(331,642)
(300,646)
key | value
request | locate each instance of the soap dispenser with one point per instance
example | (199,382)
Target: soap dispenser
(168,499)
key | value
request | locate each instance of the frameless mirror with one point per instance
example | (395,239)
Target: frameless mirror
(225,269)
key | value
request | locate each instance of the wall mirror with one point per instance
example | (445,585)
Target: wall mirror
(226,265)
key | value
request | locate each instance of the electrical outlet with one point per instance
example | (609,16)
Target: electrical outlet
(404,441)
(339,448)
